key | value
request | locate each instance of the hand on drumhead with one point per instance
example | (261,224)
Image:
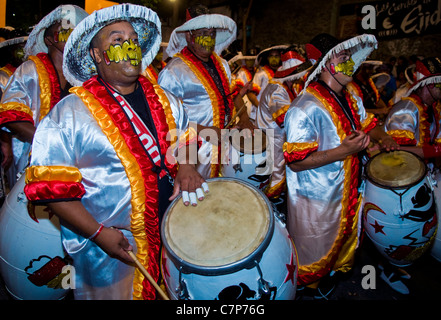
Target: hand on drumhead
(191,183)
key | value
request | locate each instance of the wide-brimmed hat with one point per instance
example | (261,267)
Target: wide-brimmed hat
(262,55)
(410,74)
(239,56)
(380,79)
(324,46)
(78,65)
(69,16)
(294,65)
(13,41)
(427,71)
(202,19)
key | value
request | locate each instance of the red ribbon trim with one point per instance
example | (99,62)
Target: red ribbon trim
(54,190)
(150,180)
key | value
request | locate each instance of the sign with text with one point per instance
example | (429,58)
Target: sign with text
(400,18)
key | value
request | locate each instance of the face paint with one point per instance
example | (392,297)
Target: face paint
(128,51)
(347,68)
(274,61)
(62,35)
(207,42)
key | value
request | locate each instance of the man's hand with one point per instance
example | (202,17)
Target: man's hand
(191,183)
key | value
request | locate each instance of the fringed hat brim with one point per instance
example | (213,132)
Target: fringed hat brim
(360,47)
(225,32)
(72,14)
(436,78)
(240,57)
(293,73)
(13,41)
(380,79)
(78,65)
(266,51)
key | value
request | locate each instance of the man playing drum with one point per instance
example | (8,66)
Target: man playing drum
(415,120)
(37,84)
(327,128)
(414,123)
(201,79)
(274,102)
(99,157)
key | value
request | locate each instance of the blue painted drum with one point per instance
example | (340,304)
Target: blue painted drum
(231,246)
(399,210)
(31,253)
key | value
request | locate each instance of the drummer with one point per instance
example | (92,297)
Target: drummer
(108,182)
(326,130)
(274,102)
(414,122)
(201,79)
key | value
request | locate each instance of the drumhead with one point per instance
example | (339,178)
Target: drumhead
(231,223)
(253,145)
(396,169)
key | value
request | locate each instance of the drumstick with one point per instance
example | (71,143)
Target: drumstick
(237,114)
(148,276)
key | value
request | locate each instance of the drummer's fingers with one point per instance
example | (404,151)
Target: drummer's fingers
(176,189)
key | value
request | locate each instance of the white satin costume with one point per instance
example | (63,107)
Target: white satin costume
(187,79)
(322,202)
(273,104)
(32,90)
(85,149)
(408,122)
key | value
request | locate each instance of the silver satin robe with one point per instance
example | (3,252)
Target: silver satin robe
(274,100)
(69,136)
(23,88)
(316,204)
(180,80)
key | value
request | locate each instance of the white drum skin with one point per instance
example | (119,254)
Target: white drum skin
(275,262)
(252,164)
(401,229)
(28,244)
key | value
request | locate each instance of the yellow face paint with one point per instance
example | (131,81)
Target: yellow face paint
(127,51)
(347,67)
(62,35)
(206,42)
(274,61)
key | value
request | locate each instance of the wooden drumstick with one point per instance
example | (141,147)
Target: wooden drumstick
(148,276)
(236,115)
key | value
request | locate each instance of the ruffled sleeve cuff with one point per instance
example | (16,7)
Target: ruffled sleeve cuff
(13,112)
(403,137)
(298,151)
(279,115)
(53,183)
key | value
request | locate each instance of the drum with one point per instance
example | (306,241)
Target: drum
(248,158)
(399,210)
(31,252)
(435,251)
(231,246)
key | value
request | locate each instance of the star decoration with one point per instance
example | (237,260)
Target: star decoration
(377,227)
(291,270)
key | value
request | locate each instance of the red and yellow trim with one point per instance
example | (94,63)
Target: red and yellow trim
(340,256)
(144,187)
(50,93)
(298,151)
(45,183)
(217,101)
